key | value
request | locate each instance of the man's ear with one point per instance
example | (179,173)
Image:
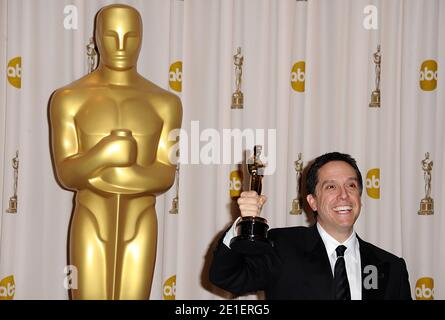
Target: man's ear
(312,202)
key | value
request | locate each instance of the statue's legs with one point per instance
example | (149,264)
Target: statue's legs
(137,256)
(113,245)
(88,253)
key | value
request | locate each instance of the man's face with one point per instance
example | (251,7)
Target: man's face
(337,197)
(119,37)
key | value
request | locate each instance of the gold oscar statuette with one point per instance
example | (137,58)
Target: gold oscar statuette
(297,208)
(175,201)
(251,232)
(427,203)
(375,95)
(238,96)
(13,201)
(109,142)
(92,55)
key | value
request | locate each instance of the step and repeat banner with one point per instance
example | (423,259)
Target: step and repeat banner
(300,78)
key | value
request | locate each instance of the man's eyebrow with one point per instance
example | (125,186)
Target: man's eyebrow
(335,181)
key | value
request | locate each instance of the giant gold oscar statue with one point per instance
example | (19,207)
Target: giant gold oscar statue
(109,144)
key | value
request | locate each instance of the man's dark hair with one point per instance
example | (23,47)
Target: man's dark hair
(312,175)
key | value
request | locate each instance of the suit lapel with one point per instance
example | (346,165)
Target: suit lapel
(374,273)
(318,273)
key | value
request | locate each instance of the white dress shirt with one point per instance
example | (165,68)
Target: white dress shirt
(231,233)
(352,259)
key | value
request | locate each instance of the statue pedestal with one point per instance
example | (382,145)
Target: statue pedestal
(251,236)
(426,207)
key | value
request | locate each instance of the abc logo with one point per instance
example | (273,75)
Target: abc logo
(7,288)
(428,75)
(425,289)
(297,76)
(235,184)
(373,183)
(170,288)
(175,76)
(15,72)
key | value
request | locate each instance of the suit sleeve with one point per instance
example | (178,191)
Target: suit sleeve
(405,289)
(240,274)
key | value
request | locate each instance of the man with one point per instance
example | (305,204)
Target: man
(325,261)
(109,134)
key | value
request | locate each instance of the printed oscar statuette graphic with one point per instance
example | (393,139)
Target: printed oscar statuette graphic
(238,96)
(91,55)
(427,203)
(110,146)
(252,231)
(175,200)
(297,208)
(375,95)
(13,201)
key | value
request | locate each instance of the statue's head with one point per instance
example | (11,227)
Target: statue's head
(118,36)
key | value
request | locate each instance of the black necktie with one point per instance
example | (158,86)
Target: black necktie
(341,283)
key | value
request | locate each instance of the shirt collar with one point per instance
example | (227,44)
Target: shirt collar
(331,244)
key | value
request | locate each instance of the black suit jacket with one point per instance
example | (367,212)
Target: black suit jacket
(298,268)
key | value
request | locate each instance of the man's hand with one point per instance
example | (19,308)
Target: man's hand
(250,203)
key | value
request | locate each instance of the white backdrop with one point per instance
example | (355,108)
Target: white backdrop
(334,39)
